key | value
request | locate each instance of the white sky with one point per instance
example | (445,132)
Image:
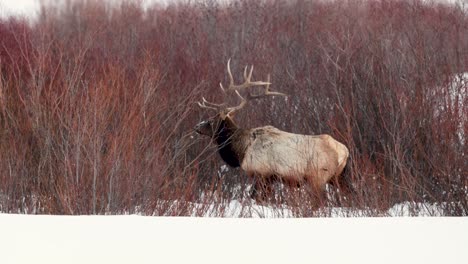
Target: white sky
(30,8)
(18,7)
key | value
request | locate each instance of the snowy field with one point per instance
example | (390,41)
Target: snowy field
(138,239)
(236,209)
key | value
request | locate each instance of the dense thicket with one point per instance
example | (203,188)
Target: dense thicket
(97,101)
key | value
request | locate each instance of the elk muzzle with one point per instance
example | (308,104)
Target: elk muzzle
(202,128)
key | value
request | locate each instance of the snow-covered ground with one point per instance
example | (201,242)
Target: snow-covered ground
(139,239)
(236,209)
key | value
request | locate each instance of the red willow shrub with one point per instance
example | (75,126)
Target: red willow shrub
(97,101)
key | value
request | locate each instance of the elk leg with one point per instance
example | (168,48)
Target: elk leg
(254,191)
(318,193)
(257,192)
(261,190)
(344,185)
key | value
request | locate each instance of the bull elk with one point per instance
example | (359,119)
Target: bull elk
(267,152)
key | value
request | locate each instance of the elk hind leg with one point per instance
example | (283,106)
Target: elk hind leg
(317,192)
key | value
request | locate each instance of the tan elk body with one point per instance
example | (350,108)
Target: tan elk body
(267,152)
(294,157)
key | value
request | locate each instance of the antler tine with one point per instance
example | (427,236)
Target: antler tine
(248,77)
(213,104)
(267,91)
(202,105)
(247,80)
(231,79)
(210,105)
(222,88)
(231,110)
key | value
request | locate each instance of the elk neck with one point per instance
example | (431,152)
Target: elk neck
(232,142)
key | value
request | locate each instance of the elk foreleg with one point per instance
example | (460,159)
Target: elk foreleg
(262,189)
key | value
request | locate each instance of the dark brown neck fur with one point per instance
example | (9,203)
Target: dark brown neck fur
(232,142)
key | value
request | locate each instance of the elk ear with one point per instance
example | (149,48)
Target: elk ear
(228,115)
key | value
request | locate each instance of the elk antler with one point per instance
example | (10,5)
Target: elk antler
(233,109)
(236,88)
(247,81)
(210,105)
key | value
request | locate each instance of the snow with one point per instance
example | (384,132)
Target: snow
(458,89)
(235,208)
(151,239)
(140,239)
